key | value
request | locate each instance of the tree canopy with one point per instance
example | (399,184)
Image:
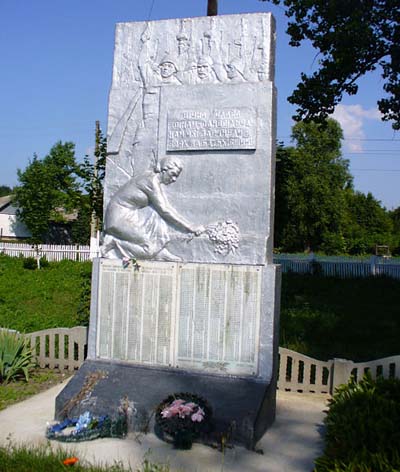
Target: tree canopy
(311,179)
(5,190)
(48,189)
(317,208)
(56,187)
(353,38)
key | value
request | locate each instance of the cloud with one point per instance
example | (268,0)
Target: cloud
(351,119)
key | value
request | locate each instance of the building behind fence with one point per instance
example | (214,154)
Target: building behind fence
(66,349)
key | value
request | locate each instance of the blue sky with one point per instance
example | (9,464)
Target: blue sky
(57,55)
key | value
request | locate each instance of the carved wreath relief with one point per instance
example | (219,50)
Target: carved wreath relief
(139,221)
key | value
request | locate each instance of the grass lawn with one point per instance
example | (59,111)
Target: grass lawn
(31,300)
(44,459)
(39,380)
(325,317)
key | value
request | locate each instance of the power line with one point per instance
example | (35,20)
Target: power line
(376,170)
(354,139)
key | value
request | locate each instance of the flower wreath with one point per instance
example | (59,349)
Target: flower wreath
(87,428)
(183,417)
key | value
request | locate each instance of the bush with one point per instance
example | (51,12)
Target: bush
(15,356)
(44,262)
(362,427)
(29,263)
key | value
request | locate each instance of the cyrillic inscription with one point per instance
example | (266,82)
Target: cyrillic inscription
(217,129)
(135,314)
(219,318)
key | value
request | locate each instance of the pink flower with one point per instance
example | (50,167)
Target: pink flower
(185,410)
(191,405)
(177,402)
(166,413)
(198,416)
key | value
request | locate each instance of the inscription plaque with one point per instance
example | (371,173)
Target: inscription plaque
(219,316)
(135,313)
(217,129)
(193,316)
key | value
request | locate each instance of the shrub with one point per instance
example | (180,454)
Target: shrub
(362,427)
(29,263)
(44,262)
(15,356)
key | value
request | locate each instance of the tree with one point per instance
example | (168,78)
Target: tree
(395,217)
(5,190)
(368,223)
(48,190)
(93,177)
(311,180)
(352,38)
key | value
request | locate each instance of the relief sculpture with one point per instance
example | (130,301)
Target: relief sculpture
(138,215)
(139,220)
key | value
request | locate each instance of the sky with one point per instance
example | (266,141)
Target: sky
(56,64)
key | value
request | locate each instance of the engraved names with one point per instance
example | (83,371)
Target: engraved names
(193,316)
(218,320)
(135,313)
(217,129)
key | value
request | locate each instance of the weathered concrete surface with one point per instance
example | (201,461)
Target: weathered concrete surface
(290,445)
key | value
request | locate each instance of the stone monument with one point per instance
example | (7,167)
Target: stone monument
(185,297)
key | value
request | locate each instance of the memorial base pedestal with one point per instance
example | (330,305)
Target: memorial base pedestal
(243,408)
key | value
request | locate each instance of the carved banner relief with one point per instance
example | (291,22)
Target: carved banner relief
(190,139)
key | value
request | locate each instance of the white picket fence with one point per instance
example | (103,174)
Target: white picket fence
(66,348)
(341,267)
(329,266)
(52,252)
(300,373)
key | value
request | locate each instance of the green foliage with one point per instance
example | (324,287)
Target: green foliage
(15,356)
(354,314)
(316,207)
(350,42)
(5,190)
(368,224)
(29,263)
(93,176)
(43,262)
(326,317)
(39,380)
(46,186)
(83,310)
(40,299)
(148,466)
(362,427)
(311,179)
(24,458)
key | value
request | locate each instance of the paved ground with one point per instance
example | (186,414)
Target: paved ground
(289,446)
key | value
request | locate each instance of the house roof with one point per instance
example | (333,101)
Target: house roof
(6,206)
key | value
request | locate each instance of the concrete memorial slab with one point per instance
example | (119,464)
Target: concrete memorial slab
(185,296)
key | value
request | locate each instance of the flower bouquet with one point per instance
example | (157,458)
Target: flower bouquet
(87,427)
(181,418)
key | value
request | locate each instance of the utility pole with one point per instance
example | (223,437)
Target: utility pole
(212,7)
(94,222)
